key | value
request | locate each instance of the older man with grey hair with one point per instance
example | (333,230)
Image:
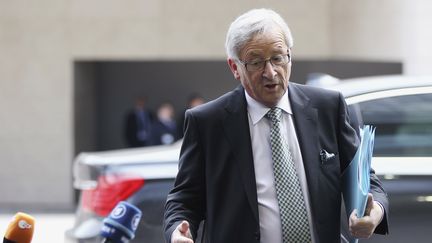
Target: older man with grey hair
(250,165)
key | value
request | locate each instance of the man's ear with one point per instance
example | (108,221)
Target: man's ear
(234,68)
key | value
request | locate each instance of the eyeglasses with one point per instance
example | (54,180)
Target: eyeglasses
(259,64)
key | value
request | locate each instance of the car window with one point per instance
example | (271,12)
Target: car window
(403,124)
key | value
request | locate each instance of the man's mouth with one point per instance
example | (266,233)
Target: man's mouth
(270,86)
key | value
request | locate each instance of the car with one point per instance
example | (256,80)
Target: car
(399,107)
(140,176)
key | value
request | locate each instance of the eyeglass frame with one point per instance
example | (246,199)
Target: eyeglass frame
(264,62)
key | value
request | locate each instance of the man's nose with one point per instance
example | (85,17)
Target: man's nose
(269,70)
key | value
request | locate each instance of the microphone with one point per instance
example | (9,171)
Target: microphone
(20,229)
(120,225)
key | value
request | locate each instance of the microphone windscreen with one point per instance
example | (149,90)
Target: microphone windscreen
(122,222)
(20,229)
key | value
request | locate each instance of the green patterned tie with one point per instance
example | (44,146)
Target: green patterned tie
(295,225)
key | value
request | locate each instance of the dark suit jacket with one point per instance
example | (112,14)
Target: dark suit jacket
(131,128)
(216,179)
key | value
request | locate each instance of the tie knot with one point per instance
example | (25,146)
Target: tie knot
(274,114)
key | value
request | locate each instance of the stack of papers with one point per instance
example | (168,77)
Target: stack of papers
(356,178)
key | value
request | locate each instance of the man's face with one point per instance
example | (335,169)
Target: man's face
(269,84)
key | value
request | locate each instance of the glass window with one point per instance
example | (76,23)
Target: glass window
(403,124)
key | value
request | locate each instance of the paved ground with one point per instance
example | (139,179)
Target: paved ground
(49,228)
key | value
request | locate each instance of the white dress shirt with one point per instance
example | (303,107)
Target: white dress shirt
(259,125)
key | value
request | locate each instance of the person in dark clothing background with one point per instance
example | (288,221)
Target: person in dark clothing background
(138,123)
(194,100)
(164,129)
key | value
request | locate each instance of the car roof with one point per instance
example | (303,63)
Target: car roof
(356,86)
(151,154)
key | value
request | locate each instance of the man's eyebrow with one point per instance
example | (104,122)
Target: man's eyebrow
(279,49)
(259,54)
(254,54)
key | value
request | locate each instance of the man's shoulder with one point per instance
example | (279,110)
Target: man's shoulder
(226,102)
(314,94)
(316,97)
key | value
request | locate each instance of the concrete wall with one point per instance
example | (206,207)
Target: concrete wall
(39,41)
(383,30)
(417,38)
(369,30)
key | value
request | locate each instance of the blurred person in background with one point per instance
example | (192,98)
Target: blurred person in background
(250,163)
(137,126)
(164,129)
(194,100)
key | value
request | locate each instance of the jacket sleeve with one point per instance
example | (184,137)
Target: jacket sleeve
(186,201)
(348,134)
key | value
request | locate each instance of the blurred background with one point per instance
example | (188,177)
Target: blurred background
(71,69)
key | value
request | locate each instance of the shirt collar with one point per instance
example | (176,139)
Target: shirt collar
(257,110)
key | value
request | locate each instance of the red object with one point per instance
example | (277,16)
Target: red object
(110,190)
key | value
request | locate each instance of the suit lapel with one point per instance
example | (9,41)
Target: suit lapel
(306,124)
(237,131)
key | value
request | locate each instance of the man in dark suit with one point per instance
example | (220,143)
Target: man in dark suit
(138,125)
(229,173)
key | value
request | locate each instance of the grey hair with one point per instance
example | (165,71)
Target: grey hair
(247,25)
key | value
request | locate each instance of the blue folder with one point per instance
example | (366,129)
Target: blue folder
(356,178)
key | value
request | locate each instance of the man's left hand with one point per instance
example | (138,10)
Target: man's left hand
(365,226)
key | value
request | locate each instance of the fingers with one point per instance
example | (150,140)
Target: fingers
(361,232)
(184,227)
(364,227)
(182,233)
(359,227)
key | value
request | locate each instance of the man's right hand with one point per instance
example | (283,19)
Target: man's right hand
(182,233)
